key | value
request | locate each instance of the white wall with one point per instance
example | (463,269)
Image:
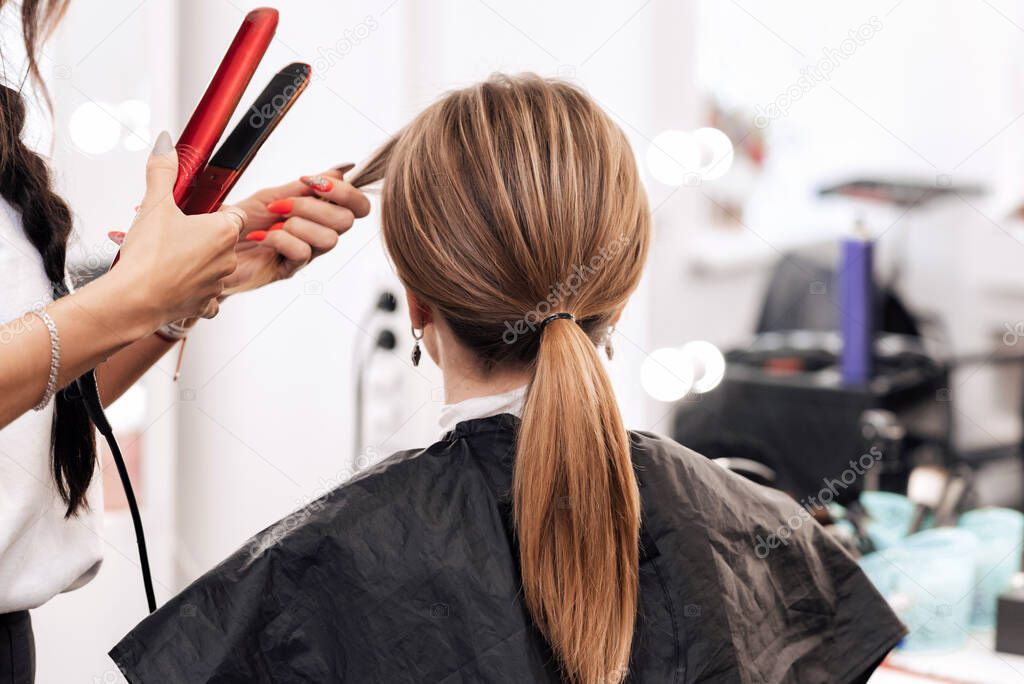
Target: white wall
(925,94)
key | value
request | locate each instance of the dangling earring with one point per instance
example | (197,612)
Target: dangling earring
(416,353)
(608,349)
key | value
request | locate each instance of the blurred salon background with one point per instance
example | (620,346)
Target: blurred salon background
(838,270)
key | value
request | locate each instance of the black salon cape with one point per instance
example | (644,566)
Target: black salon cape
(408,573)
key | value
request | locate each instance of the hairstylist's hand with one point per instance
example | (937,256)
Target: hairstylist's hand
(291,224)
(177,263)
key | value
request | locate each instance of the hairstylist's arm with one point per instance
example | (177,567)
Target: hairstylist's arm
(287,226)
(172,266)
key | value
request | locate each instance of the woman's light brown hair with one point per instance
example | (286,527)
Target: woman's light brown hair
(503,203)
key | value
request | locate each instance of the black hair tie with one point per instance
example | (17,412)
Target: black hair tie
(555,317)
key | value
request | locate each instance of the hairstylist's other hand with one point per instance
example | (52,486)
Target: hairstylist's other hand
(177,263)
(290,225)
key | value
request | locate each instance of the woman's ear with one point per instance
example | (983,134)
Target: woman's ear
(419,313)
(616,316)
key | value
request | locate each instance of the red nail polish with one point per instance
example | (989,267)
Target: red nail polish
(318,183)
(277,226)
(256,236)
(281,206)
(116,236)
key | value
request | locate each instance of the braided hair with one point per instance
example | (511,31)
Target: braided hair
(27,185)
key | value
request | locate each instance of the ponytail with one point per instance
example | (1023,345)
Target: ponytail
(577,509)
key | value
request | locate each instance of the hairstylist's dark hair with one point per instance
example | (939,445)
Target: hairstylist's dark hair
(26,184)
(503,203)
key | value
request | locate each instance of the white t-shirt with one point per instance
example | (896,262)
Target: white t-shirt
(41,553)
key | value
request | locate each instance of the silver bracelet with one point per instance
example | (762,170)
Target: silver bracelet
(173,331)
(51,382)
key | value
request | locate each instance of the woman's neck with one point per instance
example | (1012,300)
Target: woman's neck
(463,378)
(461,383)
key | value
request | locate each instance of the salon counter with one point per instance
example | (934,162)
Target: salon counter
(975,663)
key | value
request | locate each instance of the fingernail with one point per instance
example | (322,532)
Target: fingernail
(344,168)
(318,183)
(277,226)
(282,206)
(163,144)
(256,236)
(116,236)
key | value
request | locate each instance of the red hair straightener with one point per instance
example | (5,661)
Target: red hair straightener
(218,103)
(222,96)
(201,188)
